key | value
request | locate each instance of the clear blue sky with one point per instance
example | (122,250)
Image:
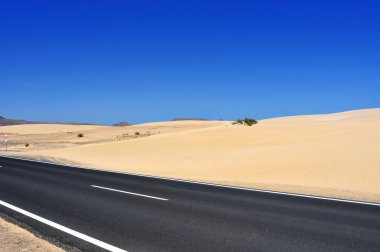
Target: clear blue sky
(139,61)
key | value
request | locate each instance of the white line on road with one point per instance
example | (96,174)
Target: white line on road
(137,194)
(64,229)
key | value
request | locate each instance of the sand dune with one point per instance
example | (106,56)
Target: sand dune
(333,155)
(56,136)
(45,128)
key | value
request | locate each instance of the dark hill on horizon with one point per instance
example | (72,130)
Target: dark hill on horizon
(121,124)
(7,122)
(189,119)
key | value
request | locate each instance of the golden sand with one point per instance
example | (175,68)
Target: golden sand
(334,155)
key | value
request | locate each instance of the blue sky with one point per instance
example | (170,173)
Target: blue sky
(140,61)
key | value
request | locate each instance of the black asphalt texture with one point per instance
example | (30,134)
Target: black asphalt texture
(194,218)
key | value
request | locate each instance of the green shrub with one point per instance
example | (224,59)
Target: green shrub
(247,122)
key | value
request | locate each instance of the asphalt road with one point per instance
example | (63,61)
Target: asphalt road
(88,209)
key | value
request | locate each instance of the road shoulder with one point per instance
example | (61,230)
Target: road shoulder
(14,238)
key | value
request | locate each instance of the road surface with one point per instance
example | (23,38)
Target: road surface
(98,211)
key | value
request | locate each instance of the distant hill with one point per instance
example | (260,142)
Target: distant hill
(5,122)
(121,124)
(189,119)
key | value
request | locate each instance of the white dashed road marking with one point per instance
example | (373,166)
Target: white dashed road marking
(132,193)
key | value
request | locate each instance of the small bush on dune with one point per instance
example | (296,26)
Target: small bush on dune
(249,121)
(80,135)
(246,122)
(26,145)
(238,121)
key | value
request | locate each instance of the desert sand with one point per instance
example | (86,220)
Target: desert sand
(56,136)
(335,155)
(14,238)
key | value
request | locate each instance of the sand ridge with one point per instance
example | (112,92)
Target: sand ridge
(333,155)
(32,137)
(45,128)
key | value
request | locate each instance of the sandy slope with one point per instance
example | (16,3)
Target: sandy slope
(56,136)
(334,155)
(45,128)
(14,238)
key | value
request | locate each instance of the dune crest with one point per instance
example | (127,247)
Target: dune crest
(331,155)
